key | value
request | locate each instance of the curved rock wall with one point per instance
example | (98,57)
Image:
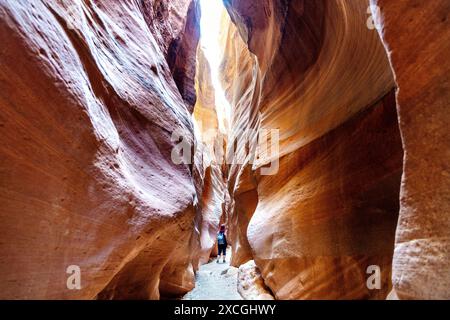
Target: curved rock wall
(240,81)
(91,92)
(213,196)
(90,95)
(331,211)
(316,72)
(417,37)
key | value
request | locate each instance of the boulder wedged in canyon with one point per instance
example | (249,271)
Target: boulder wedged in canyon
(417,37)
(315,71)
(89,103)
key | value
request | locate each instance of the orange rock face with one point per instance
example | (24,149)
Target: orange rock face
(322,221)
(417,37)
(240,77)
(315,71)
(213,194)
(90,94)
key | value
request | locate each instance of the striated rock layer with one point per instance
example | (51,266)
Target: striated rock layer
(90,93)
(315,71)
(213,195)
(417,37)
(332,210)
(239,78)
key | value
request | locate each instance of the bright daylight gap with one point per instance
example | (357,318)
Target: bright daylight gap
(210,24)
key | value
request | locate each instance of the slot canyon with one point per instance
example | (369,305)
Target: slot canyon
(357,174)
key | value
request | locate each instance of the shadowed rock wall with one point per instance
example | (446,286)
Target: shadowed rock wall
(315,71)
(417,37)
(90,94)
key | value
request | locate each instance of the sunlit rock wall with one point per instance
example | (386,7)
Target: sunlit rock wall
(90,93)
(240,79)
(210,153)
(417,37)
(318,73)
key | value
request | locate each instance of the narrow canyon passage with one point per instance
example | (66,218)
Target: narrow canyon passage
(329,210)
(215,281)
(316,132)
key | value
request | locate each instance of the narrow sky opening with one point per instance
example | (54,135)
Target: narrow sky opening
(212,11)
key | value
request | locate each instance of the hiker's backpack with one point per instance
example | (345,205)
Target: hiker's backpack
(221,238)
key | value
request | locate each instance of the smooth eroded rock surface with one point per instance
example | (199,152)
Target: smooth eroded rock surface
(96,97)
(331,211)
(417,37)
(90,95)
(315,71)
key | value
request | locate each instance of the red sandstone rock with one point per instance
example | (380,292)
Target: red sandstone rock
(417,37)
(316,72)
(321,223)
(89,103)
(91,92)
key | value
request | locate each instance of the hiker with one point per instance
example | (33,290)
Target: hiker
(222,243)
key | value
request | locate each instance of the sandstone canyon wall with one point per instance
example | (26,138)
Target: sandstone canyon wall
(417,37)
(212,140)
(316,72)
(90,93)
